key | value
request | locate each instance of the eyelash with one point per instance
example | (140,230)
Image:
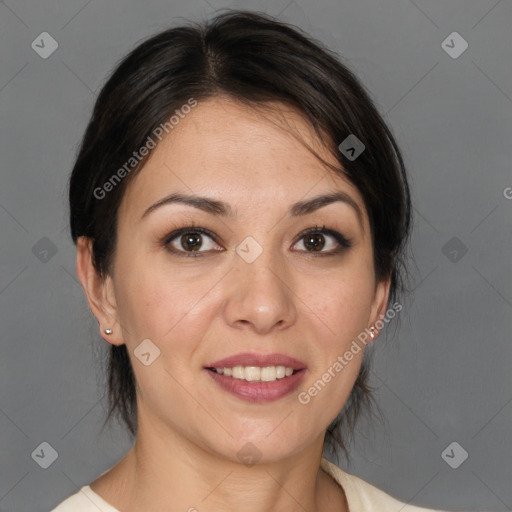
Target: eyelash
(343,242)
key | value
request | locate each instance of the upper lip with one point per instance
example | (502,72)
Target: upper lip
(262,360)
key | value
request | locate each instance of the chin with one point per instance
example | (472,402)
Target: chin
(263,445)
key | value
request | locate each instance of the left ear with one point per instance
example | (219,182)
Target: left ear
(380,302)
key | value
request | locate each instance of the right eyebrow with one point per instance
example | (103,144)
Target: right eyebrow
(207,204)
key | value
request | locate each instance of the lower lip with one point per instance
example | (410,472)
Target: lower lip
(257,391)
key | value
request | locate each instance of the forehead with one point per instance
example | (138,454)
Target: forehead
(230,151)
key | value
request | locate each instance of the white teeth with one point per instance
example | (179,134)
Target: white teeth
(252,373)
(269,373)
(238,372)
(255,373)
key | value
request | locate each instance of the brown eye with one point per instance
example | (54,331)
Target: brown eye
(314,242)
(190,241)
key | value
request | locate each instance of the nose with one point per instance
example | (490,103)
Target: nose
(260,295)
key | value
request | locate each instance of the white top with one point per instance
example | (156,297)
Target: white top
(361,496)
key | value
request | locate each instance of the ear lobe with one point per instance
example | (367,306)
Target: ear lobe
(99,291)
(380,303)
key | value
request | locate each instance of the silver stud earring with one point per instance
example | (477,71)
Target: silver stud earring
(108,331)
(372,333)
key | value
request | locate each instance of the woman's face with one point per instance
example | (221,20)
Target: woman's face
(253,285)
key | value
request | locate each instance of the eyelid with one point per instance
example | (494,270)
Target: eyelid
(185,229)
(192,228)
(343,242)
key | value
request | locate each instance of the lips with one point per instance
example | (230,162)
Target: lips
(258,391)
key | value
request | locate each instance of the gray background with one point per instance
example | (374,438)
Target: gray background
(445,374)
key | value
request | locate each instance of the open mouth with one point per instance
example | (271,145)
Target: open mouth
(255,373)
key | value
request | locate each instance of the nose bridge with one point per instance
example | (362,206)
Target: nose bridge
(260,295)
(260,267)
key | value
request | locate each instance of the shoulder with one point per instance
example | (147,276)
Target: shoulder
(85,500)
(362,496)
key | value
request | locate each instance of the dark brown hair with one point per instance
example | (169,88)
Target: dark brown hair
(254,59)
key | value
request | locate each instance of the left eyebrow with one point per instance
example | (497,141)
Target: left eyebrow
(311,205)
(222,209)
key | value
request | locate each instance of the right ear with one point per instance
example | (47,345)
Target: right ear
(99,291)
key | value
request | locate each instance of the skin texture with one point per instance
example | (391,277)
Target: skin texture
(290,300)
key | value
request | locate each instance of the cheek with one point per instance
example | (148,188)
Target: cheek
(159,304)
(341,309)
(142,303)
(342,305)
(161,308)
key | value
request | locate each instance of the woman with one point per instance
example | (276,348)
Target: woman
(240,211)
